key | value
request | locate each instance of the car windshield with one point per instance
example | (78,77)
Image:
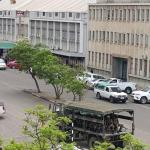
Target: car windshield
(146,89)
(87,75)
(107,80)
(94,80)
(1,61)
(115,89)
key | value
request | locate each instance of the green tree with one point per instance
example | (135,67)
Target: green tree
(23,52)
(42,126)
(76,87)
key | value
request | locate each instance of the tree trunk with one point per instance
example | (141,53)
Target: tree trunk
(36,82)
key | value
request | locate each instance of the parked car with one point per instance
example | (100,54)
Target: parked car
(13,64)
(142,96)
(127,87)
(2,109)
(2,64)
(88,77)
(111,92)
(92,83)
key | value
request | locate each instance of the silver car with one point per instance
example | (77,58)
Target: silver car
(2,64)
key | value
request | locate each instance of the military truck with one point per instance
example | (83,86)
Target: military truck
(92,121)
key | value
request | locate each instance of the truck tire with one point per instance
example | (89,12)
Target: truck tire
(98,96)
(128,90)
(92,141)
(143,100)
(111,99)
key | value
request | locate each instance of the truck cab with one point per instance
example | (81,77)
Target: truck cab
(93,122)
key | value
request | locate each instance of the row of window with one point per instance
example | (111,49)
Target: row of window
(96,58)
(59,14)
(119,38)
(119,14)
(138,67)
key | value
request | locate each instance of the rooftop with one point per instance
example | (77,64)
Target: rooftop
(47,5)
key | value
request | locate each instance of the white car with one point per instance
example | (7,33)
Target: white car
(89,77)
(2,109)
(142,96)
(2,64)
(111,92)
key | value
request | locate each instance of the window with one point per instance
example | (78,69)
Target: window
(93,14)
(145,68)
(106,58)
(63,15)
(107,38)
(142,15)
(140,64)
(113,81)
(146,41)
(99,58)
(93,35)
(120,15)
(112,14)
(128,38)
(116,37)
(124,15)
(116,14)
(92,56)
(132,39)
(133,15)
(1,12)
(136,39)
(43,13)
(119,38)
(38,14)
(90,14)
(89,56)
(96,35)
(108,14)
(56,14)
(89,35)
(123,38)
(138,15)
(128,15)
(78,15)
(136,66)
(70,15)
(111,37)
(95,58)
(50,14)
(141,39)
(97,13)
(101,14)
(147,15)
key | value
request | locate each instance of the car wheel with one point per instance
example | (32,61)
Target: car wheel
(111,99)
(128,90)
(98,96)
(92,141)
(124,101)
(143,100)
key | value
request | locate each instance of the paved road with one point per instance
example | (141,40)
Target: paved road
(16,101)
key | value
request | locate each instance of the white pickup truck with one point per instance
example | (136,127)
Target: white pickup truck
(110,92)
(127,87)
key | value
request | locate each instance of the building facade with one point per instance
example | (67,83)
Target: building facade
(61,25)
(119,39)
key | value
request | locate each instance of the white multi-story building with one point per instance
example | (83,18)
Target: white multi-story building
(119,38)
(59,24)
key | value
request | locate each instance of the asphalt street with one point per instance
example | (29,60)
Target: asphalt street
(16,101)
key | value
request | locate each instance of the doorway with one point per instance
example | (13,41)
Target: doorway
(119,68)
